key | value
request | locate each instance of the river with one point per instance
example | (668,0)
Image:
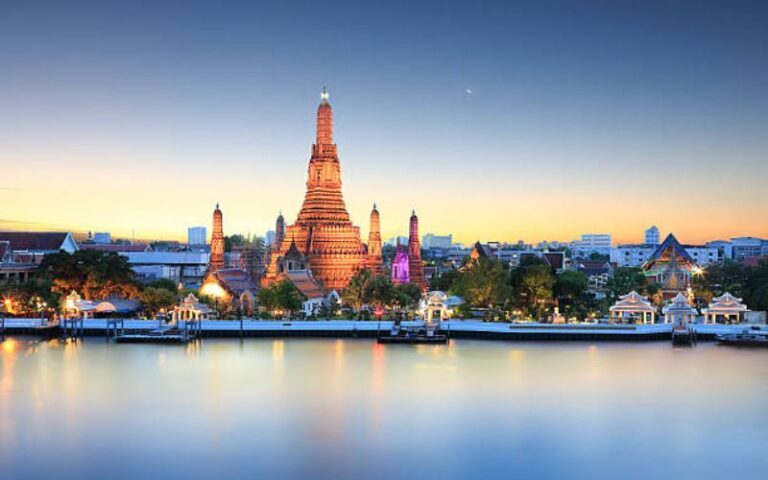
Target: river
(352,409)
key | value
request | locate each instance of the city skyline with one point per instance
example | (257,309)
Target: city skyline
(509,129)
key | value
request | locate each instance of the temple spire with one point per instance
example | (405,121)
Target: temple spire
(324,120)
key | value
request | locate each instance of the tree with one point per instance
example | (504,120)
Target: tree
(625,280)
(92,273)
(356,293)
(536,288)
(154,299)
(483,283)
(445,281)
(571,284)
(165,283)
(407,295)
(281,295)
(379,291)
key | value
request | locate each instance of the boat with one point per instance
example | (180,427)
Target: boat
(426,334)
(750,337)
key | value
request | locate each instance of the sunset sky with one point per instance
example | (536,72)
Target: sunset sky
(495,121)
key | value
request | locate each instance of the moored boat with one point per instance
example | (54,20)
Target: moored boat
(752,337)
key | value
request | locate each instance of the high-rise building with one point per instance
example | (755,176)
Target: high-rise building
(590,243)
(323,231)
(217,241)
(197,235)
(652,236)
(269,238)
(431,240)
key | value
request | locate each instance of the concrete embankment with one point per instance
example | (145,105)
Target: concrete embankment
(371,329)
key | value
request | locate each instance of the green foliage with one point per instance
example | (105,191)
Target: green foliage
(625,280)
(93,274)
(356,293)
(380,291)
(571,284)
(281,295)
(165,283)
(407,295)
(483,283)
(536,289)
(445,281)
(232,241)
(154,299)
(31,298)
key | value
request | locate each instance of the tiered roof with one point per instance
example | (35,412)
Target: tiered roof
(632,302)
(726,304)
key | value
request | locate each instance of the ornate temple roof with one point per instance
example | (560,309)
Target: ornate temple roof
(234,280)
(632,302)
(671,245)
(679,305)
(726,303)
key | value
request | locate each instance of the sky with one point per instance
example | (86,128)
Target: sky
(493,120)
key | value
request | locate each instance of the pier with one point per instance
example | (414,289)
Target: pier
(132,329)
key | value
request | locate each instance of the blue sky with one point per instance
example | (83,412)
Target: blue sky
(584,116)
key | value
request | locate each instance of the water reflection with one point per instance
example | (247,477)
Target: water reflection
(323,408)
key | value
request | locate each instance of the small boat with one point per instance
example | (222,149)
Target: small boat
(414,335)
(752,337)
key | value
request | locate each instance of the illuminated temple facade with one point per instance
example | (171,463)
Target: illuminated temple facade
(323,231)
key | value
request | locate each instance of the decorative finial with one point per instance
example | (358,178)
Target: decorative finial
(324,94)
(374,205)
(217,205)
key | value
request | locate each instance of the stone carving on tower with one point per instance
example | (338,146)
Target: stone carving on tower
(374,260)
(323,231)
(216,260)
(415,267)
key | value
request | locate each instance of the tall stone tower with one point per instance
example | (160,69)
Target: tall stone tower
(415,268)
(374,261)
(323,231)
(279,230)
(217,241)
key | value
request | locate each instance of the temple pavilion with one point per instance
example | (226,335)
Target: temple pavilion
(670,266)
(633,308)
(191,309)
(726,309)
(679,312)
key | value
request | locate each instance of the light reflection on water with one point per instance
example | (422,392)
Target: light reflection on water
(301,408)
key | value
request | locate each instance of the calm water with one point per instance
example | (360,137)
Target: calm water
(342,409)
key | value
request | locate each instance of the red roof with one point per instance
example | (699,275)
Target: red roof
(306,284)
(113,247)
(50,241)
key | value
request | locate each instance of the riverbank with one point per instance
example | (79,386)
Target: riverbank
(371,329)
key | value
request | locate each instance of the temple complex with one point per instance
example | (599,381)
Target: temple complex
(373,256)
(216,261)
(323,231)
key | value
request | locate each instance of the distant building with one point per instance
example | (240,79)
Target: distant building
(102,238)
(597,273)
(31,247)
(634,255)
(652,236)
(185,267)
(590,243)
(197,235)
(393,241)
(269,238)
(742,247)
(431,240)
(117,247)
